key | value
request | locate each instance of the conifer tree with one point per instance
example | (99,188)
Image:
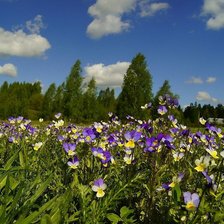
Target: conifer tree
(48,102)
(58,99)
(106,102)
(90,101)
(72,99)
(136,89)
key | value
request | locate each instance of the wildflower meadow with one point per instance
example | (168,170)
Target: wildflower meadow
(134,171)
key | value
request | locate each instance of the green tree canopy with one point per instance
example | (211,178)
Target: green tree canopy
(72,99)
(106,102)
(136,89)
(90,101)
(48,101)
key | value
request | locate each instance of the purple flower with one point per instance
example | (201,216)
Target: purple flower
(57,116)
(166,186)
(111,139)
(19,119)
(69,148)
(191,200)
(60,138)
(88,134)
(132,137)
(147,127)
(210,181)
(12,139)
(162,110)
(105,156)
(99,186)
(74,162)
(151,144)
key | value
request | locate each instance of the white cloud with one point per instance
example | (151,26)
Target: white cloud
(8,69)
(205,96)
(211,79)
(214,9)
(107,16)
(108,25)
(150,9)
(107,75)
(195,80)
(35,25)
(19,43)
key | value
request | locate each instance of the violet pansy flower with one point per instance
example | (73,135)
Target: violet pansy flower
(99,186)
(191,201)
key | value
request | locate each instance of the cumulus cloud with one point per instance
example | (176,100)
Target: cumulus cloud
(214,10)
(195,80)
(107,16)
(150,9)
(205,96)
(211,79)
(8,69)
(107,75)
(19,43)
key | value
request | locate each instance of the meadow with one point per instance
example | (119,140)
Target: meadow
(137,171)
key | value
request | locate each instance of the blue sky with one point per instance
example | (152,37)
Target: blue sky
(183,42)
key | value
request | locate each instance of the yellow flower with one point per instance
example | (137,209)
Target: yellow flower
(41,120)
(213,153)
(202,120)
(202,163)
(190,206)
(37,145)
(130,144)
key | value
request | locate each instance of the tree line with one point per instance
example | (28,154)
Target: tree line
(83,102)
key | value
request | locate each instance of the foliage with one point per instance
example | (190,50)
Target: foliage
(136,89)
(48,102)
(20,98)
(90,102)
(73,93)
(106,103)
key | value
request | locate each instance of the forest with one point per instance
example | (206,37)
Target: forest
(82,102)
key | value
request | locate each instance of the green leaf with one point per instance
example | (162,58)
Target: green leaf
(219,216)
(34,215)
(125,212)
(3,180)
(41,189)
(10,161)
(13,183)
(56,217)
(177,193)
(114,218)
(46,219)
(21,160)
(13,212)
(74,217)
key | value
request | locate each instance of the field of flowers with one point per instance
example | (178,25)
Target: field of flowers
(154,171)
